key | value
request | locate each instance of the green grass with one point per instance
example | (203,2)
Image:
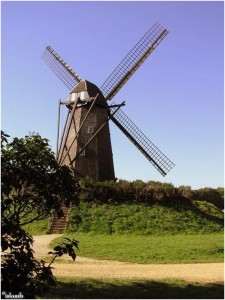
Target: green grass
(151,249)
(182,218)
(72,288)
(37,227)
(140,219)
(209,209)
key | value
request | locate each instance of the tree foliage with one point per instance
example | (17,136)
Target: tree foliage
(32,185)
(32,181)
(21,271)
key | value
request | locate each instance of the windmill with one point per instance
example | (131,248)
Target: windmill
(85,143)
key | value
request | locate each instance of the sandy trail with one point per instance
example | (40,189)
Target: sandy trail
(92,268)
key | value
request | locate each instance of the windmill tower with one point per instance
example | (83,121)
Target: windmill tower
(85,143)
(89,154)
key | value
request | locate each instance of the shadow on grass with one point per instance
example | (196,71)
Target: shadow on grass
(114,289)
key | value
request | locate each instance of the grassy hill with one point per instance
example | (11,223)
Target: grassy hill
(142,208)
(143,219)
(146,233)
(158,233)
(197,217)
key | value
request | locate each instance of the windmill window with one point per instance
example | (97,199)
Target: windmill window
(74,96)
(83,95)
(91,129)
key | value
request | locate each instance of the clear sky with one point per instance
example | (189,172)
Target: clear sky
(175,98)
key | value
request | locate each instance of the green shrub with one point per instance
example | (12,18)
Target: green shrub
(214,196)
(150,192)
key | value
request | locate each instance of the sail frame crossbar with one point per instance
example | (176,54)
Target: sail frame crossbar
(61,69)
(160,161)
(133,60)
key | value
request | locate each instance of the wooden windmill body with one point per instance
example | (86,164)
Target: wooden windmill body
(88,112)
(85,143)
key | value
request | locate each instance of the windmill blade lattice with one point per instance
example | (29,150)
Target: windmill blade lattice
(162,163)
(133,60)
(61,69)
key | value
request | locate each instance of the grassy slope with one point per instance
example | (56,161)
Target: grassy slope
(37,227)
(142,219)
(156,219)
(144,234)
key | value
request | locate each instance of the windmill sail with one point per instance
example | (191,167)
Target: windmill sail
(61,69)
(93,162)
(133,60)
(137,137)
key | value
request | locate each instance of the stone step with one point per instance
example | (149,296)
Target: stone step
(59,224)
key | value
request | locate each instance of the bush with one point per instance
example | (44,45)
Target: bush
(32,185)
(214,196)
(124,191)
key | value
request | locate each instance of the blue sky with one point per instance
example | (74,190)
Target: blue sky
(175,98)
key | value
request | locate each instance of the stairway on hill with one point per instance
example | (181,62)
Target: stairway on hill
(58,225)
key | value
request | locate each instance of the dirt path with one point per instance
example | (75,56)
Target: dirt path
(92,268)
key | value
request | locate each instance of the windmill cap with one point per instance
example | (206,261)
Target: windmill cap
(92,91)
